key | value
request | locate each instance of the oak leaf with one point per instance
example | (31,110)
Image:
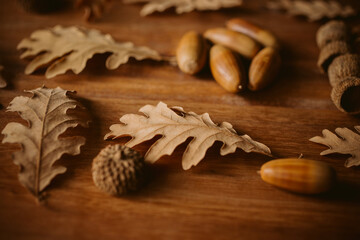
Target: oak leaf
(183,6)
(69,48)
(2,80)
(176,126)
(347,142)
(313,10)
(46,114)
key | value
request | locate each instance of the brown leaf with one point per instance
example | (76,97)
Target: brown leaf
(93,9)
(175,126)
(348,142)
(183,6)
(46,114)
(2,80)
(313,10)
(69,49)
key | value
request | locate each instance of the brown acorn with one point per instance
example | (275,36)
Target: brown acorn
(262,36)
(237,42)
(299,175)
(227,69)
(264,68)
(191,52)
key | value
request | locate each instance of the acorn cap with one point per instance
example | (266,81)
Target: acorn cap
(332,31)
(356,39)
(342,67)
(331,51)
(346,95)
(118,169)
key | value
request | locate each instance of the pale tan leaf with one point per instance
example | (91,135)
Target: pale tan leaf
(2,80)
(347,142)
(46,114)
(69,48)
(313,10)
(176,126)
(183,6)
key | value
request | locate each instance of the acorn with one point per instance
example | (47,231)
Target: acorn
(227,69)
(299,175)
(264,68)
(262,36)
(191,52)
(238,42)
(118,169)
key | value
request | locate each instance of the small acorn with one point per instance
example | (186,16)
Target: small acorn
(264,68)
(299,175)
(118,169)
(191,52)
(227,69)
(238,42)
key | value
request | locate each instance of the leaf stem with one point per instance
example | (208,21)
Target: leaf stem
(38,160)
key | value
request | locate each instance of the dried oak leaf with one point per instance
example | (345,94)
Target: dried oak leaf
(175,126)
(93,9)
(2,80)
(183,6)
(348,142)
(313,10)
(46,114)
(69,48)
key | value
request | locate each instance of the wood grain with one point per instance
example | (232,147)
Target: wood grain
(221,198)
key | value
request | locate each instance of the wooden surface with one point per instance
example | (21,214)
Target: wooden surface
(222,197)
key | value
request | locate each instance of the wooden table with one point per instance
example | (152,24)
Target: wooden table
(222,197)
